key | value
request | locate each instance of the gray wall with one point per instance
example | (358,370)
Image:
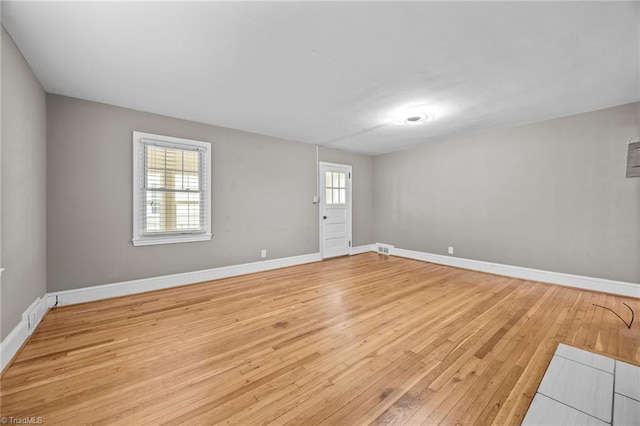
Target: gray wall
(262,197)
(23,205)
(551,196)
(362,191)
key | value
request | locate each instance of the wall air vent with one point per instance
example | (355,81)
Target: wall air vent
(633,158)
(34,314)
(383,248)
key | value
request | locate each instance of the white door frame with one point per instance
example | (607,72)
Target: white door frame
(321,204)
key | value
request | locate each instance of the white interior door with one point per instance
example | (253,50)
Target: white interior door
(335,209)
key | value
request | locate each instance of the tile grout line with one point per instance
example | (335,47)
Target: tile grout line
(587,365)
(626,396)
(613,397)
(610,422)
(574,408)
(613,394)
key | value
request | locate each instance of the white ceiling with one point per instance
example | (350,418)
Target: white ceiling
(333,73)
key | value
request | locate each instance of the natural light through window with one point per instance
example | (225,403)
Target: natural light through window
(173,198)
(336,188)
(172,189)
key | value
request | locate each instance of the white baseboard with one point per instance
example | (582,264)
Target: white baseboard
(362,249)
(578,281)
(12,343)
(382,248)
(106,291)
(34,313)
(31,317)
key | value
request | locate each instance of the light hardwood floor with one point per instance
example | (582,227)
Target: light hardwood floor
(354,340)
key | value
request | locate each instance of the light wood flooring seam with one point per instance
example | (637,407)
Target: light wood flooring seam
(366,339)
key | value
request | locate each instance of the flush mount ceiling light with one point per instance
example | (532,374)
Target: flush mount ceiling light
(415,118)
(412,116)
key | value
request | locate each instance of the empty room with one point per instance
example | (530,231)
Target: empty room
(338,213)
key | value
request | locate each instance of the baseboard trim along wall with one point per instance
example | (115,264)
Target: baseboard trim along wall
(107,291)
(13,342)
(362,249)
(10,346)
(588,283)
(31,317)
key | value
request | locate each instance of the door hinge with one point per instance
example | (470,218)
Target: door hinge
(349,243)
(349,175)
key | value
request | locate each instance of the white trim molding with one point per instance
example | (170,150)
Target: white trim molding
(362,249)
(12,343)
(382,248)
(322,206)
(106,291)
(34,313)
(140,140)
(30,320)
(588,283)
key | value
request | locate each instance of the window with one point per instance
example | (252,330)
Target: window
(336,188)
(171,190)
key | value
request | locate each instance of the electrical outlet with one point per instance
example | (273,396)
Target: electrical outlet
(263,254)
(450,250)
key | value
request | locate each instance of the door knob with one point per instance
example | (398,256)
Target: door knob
(324,217)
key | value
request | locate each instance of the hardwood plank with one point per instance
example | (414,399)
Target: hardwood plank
(367,339)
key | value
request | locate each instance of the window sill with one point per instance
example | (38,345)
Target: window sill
(151,241)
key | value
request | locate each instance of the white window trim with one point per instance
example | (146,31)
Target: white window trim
(146,240)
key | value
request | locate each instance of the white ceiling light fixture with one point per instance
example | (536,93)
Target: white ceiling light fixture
(471,81)
(413,116)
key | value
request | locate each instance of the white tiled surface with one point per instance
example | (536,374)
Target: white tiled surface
(583,388)
(579,386)
(546,411)
(626,411)
(594,360)
(628,380)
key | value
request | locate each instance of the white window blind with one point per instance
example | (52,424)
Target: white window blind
(172,196)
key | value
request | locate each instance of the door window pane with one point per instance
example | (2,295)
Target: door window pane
(335,184)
